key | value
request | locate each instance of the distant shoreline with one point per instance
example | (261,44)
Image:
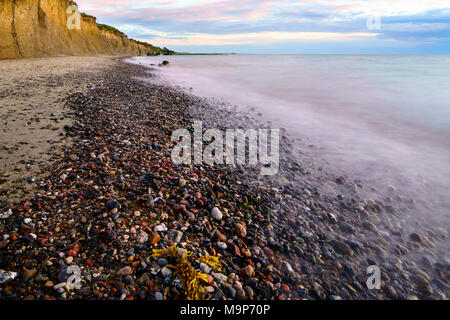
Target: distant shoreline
(202,54)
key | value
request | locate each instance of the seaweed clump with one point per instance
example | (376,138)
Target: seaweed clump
(193,281)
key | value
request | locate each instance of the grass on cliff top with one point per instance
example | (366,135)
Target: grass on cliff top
(109,28)
(88,16)
(106,27)
(152,48)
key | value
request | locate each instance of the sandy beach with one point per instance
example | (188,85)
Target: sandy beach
(33,115)
(108,216)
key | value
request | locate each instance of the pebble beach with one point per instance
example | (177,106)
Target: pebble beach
(104,198)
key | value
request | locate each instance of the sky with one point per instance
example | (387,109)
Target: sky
(282,26)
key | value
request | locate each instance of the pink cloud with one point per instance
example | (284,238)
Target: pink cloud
(199,11)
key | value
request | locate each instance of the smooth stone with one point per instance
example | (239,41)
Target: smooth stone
(166,272)
(220,277)
(143,279)
(249,291)
(142,237)
(222,245)
(60,286)
(216,214)
(181,183)
(69,260)
(220,236)
(6,214)
(125,271)
(205,268)
(347,228)
(287,268)
(110,235)
(175,235)
(161,228)
(241,230)
(154,238)
(249,271)
(112,204)
(420,281)
(162,262)
(231,292)
(240,293)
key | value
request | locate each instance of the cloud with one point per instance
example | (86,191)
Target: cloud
(159,38)
(416,27)
(237,21)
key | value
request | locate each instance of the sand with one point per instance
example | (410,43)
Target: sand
(33,115)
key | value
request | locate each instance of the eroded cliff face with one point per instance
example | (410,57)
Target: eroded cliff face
(38,28)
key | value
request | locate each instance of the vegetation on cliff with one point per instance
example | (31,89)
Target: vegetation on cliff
(106,27)
(154,51)
(32,29)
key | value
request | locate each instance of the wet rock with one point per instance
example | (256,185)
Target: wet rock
(341,247)
(369,226)
(347,228)
(415,237)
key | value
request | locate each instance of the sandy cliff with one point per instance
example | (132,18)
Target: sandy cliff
(38,28)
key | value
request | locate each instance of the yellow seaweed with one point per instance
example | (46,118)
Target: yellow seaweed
(192,281)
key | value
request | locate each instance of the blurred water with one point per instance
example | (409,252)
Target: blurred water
(384,118)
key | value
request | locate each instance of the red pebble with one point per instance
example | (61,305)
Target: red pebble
(72,253)
(285,287)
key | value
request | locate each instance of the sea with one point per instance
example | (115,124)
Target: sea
(380,119)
